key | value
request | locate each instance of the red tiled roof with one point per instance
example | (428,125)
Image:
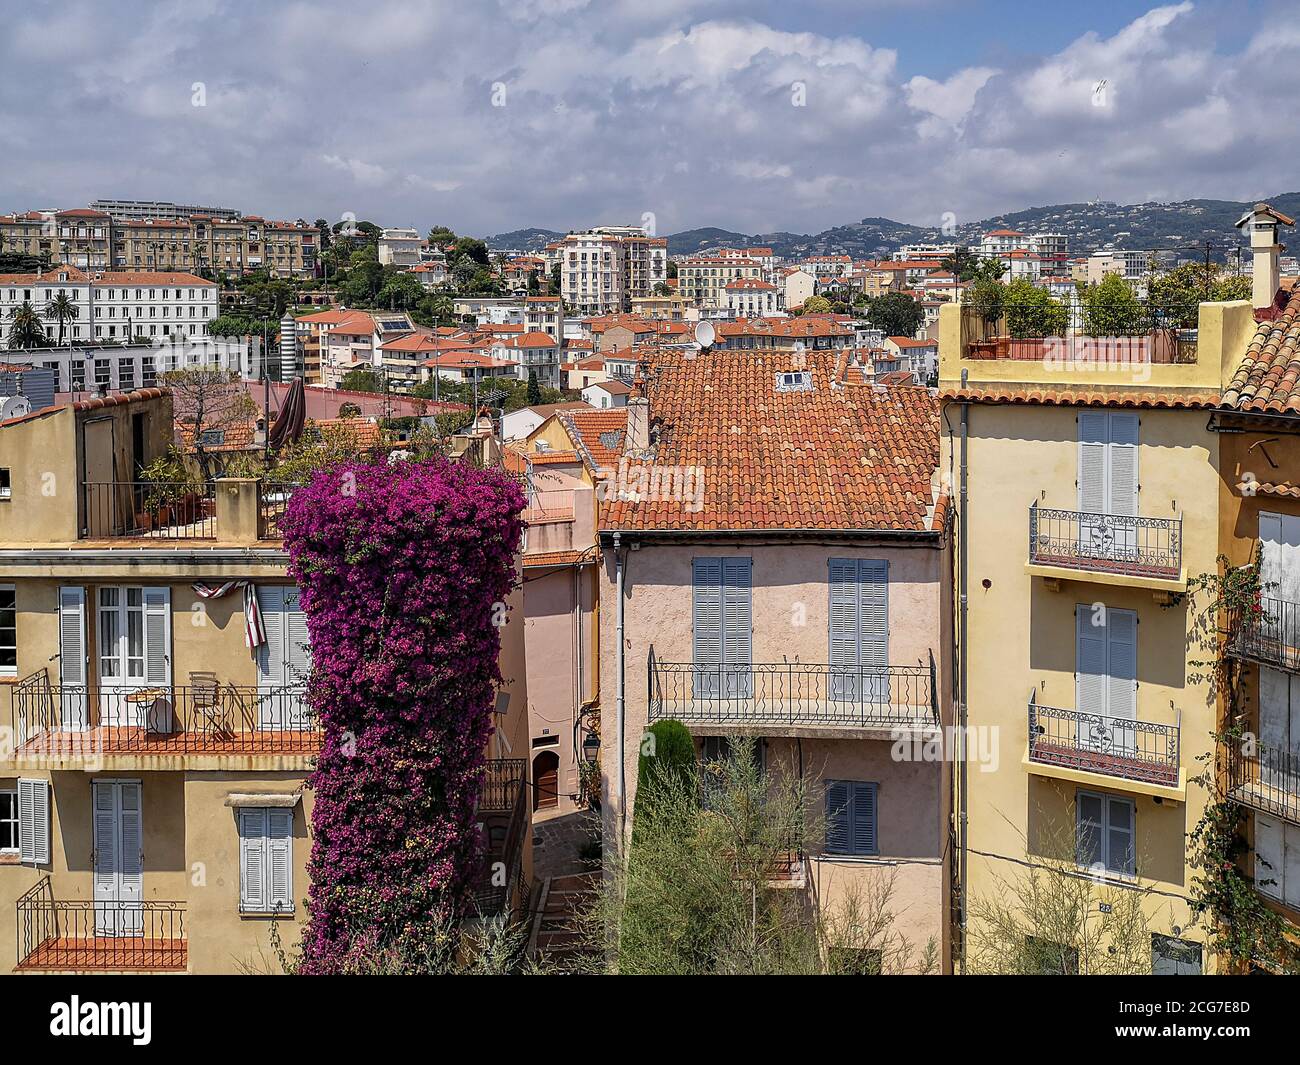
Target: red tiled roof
(1268,379)
(821,458)
(557,558)
(1079,396)
(598,435)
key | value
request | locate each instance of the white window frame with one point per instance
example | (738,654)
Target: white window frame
(263,842)
(11,671)
(1126,870)
(13,820)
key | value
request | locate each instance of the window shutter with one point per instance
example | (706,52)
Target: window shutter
(1274,709)
(843,636)
(706,625)
(1291,866)
(1121,665)
(1093,440)
(864,818)
(737,626)
(298,651)
(106,857)
(270,655)
(34,822)
(1123,455)
(1270,552)
(1090,835)
(873,626)
(1269,857)
(157,637)
(279,859)
(1120,833)
(838,834)
(72,635)
(1089,662)
(252,859)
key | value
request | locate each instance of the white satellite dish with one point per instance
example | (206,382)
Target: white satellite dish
(15,407)
(705,334)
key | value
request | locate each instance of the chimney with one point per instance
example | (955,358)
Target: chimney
(638,425)
(1262,222)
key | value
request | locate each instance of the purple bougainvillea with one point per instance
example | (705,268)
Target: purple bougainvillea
(402,569)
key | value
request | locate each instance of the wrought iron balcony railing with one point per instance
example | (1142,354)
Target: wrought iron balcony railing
(61,719)
(1106,543)
(1114,746)
(86,934)
(503,810)
(1266,779)
(793,693)
(1269,634)
(150,510)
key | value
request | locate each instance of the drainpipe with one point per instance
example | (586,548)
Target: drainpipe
(619,707)
(963,710)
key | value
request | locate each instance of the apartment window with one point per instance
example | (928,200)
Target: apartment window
(8,822)
(8,631)
(859,629)
(851,817)
(265,859)
(1277,860)
(1174,957)
(1106,833)
(799,381)
(722,627)
(6,483)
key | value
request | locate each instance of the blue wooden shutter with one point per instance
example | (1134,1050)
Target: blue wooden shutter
(1089,829)
(873,627)
(838,814)
(864,817)
(706,626)
(737,625)
(843,639)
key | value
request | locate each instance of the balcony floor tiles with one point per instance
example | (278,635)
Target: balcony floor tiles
(108,953)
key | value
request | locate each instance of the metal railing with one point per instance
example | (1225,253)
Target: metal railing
(1266,779)
(152,510)
(57,719)
(1115,746)
(1106,543)
(500,875)
(1136,332)
(1269,634)
(554,505)
(273,501)
(793,693)
(86,934)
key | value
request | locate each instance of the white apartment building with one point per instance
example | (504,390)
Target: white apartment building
(826,267)
(536,352)
(1050,244)
(999,243)
(113,368)
(704,278)
(400,247)
(544,314)
(603,269)
(748,297)
(114,306)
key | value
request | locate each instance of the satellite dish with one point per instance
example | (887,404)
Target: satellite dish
(15,407)
(705,334)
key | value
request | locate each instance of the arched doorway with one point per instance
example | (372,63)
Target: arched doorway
(546,781)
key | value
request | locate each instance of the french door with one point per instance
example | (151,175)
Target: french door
(118,857)
(283,661)
(1106,679)
(133,630)
(1108,484)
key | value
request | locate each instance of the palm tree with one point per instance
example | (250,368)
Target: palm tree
(62,310)
(27,330)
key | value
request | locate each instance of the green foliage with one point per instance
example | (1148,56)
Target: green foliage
(239,325)
(668,745)
(27,329)
(1111,308)
(816,305)
(1031,312)
(534,389)
(1175,295)
(987,299)
(362,380)
(896,314)
(967,265)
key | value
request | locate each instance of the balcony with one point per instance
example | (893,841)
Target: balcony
(504,816)
(82,935)
(794,695)
(1265,779)
(1122,748)
(64,726)
(1269,634)
(1134,334)
(149,510)
(1113,548)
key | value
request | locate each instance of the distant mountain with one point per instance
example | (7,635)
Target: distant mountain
(1182,226)
(522,240)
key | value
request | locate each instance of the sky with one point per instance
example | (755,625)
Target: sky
(491,115)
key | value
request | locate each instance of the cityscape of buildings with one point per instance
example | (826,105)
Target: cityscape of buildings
(952,536)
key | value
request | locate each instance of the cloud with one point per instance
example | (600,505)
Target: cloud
(704,112)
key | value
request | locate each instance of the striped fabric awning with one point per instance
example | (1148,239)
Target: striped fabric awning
(254,633)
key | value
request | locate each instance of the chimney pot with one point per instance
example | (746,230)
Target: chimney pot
(638,424)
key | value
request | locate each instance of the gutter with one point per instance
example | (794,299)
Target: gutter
(620,711)
(963,705)
(611,535)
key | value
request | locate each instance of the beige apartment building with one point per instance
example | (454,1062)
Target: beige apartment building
(774,559)
(153,666)
(703,279)
(603,269)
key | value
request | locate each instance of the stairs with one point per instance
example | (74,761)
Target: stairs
(555,939)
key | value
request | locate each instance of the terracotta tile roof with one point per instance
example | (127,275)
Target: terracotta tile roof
(48,276)
(151,277)
(552,458)
(597,434)
(558,558)
(1079,396)
(97,403)
(824,457)
(1268,379)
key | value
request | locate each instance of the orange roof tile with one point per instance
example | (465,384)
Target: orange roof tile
(1268,379)
(598,435)
(818,458)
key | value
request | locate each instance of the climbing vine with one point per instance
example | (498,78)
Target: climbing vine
(1240,924)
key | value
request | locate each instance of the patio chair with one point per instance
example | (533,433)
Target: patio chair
(205,701)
